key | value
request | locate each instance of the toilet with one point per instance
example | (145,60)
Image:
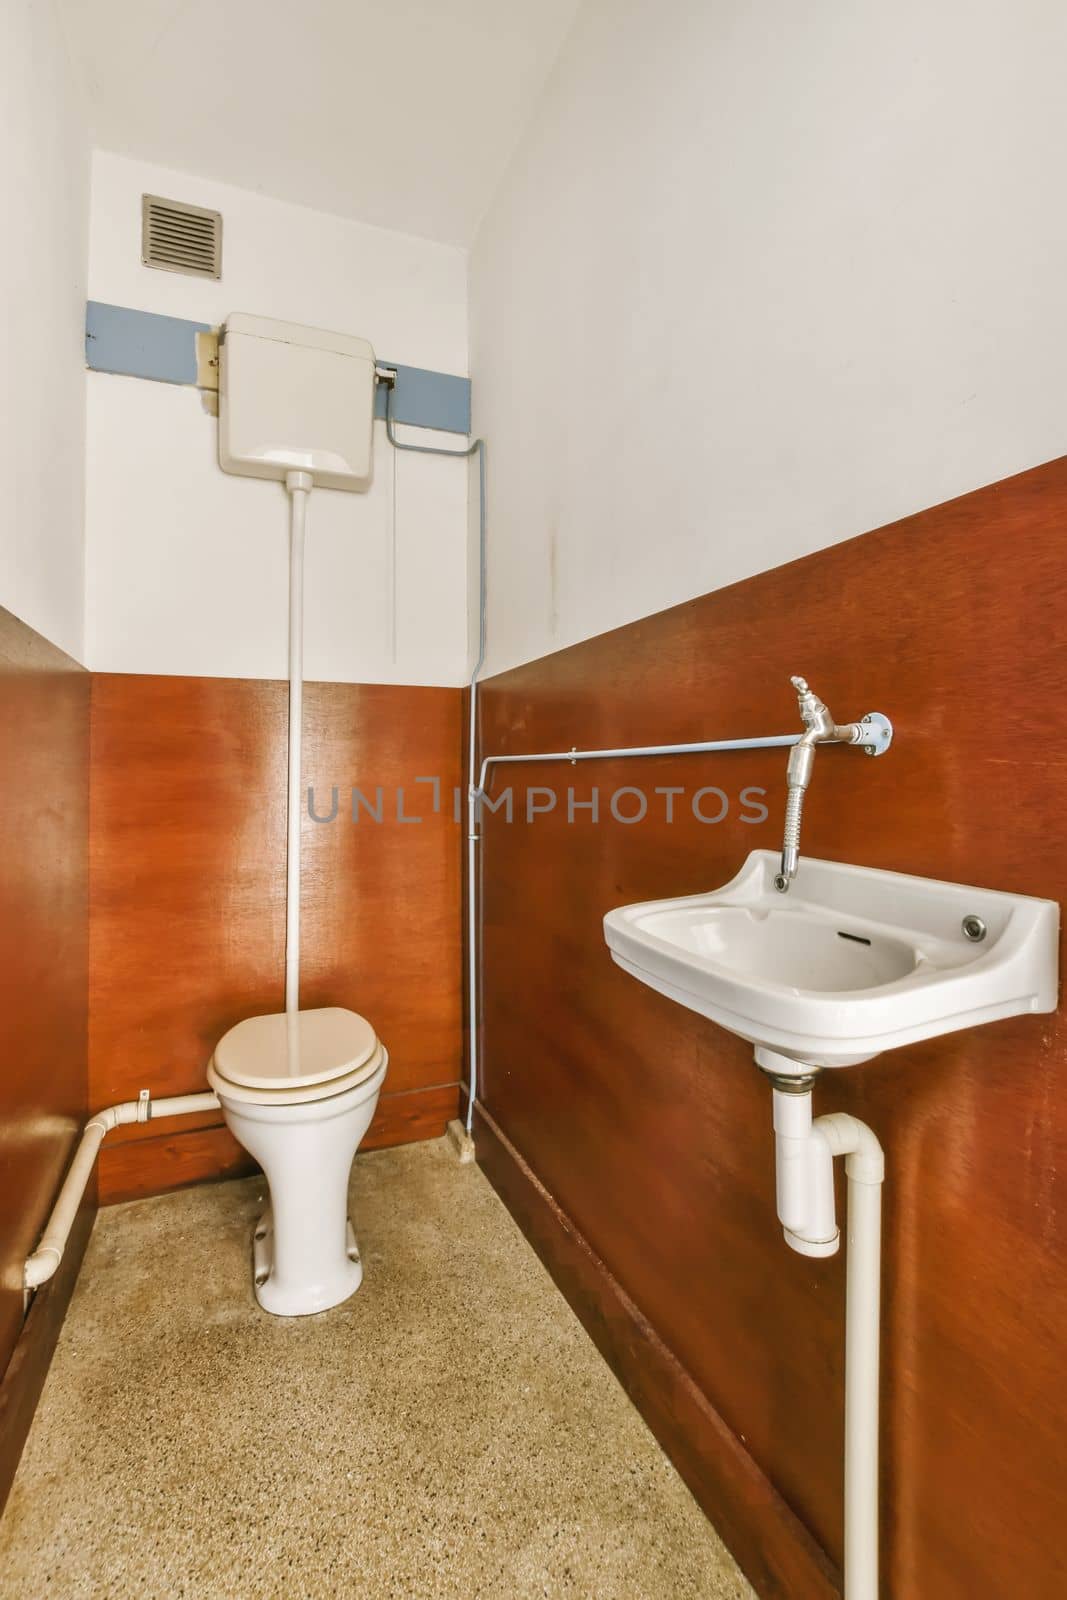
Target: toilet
(299,1093)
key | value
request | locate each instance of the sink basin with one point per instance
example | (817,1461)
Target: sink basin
(851,962)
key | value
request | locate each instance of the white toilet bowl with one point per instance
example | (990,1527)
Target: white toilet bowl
(299,1096)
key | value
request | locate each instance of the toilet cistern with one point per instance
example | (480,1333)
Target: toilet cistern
(874,732)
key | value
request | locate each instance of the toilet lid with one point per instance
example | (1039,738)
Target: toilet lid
(269,1053)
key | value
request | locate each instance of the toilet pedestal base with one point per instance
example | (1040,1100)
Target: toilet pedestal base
(305,1259)
(280,1304)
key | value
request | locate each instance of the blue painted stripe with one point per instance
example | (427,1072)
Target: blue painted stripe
(142,344)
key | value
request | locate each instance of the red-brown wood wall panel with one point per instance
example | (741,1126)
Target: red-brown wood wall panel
(44,769)
(651,1128)
(188,896)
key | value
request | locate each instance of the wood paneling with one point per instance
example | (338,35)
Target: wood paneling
(201,1149)
(44,749)
(23,1379)
(414,1115)
(137,1168)
(44,791)
(776,1550)
(188,889)
(651,1129)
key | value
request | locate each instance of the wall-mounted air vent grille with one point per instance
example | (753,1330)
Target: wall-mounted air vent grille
(180,238)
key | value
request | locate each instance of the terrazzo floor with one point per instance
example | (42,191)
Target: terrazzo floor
(449,1432)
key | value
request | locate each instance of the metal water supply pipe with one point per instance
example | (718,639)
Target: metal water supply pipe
(476,793)
(478,777)
(773,741)
(387,379)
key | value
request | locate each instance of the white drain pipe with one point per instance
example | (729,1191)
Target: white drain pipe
(805,1151)
(865,1169)
(49,1253)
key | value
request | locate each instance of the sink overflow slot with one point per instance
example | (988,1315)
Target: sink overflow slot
(857,938)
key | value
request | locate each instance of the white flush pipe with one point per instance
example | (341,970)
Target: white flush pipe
(299,487)
(805,1152)
(49,1253)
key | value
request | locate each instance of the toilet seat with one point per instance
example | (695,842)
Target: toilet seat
(265,1061)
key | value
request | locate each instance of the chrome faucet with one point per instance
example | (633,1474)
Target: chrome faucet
(874,733)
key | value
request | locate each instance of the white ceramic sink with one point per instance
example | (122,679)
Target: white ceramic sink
(851,962)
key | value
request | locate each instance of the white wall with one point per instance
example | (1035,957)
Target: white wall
(760,277)
(44,200)
(186,566)
(401,114)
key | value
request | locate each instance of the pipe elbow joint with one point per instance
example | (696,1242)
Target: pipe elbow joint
(819,1249)
(849,1137)
(41,1266)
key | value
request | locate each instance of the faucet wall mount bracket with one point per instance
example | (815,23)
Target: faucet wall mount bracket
(881,733)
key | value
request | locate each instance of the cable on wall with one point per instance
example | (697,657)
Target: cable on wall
(477,447)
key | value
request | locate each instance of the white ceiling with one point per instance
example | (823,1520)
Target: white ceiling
(402,113)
